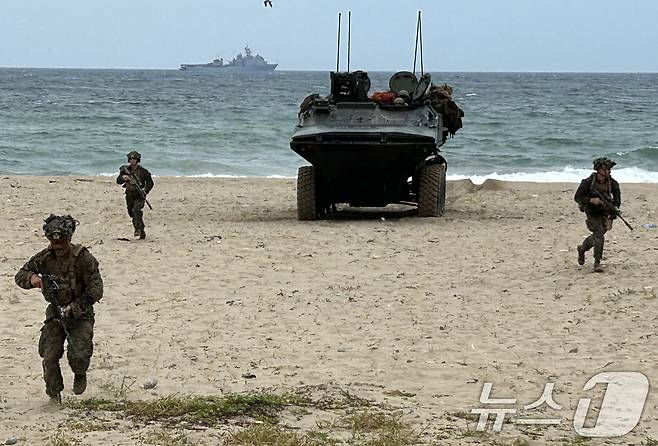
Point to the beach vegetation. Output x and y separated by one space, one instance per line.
465 415
88 426
167 438
399 393
256 418
267 434
201 410
62 438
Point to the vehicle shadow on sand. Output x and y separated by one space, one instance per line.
391 212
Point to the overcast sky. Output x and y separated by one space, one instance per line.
463 35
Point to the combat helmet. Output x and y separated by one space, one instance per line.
603 162
58 227
134 154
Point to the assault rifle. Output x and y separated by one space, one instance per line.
134 181
51 290
610 207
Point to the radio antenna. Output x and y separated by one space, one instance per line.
419 39
338 51
349 39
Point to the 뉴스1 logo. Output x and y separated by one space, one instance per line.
621 408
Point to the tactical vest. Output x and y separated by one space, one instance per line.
64 273
605 189
139 175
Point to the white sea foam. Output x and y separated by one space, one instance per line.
567 175
210 175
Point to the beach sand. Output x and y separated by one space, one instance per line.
228 283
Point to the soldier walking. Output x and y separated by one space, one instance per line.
138 183
599 215
69 279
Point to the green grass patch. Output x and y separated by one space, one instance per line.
401 393
61 438
167 438
87 426
465 415
355 421
202 410
95 404
267 434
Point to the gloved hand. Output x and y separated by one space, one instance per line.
74 310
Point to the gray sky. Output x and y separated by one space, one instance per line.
466 35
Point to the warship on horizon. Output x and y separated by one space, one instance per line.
248 62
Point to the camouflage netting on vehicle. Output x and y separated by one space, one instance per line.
441 98
307 103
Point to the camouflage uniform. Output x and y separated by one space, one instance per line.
134 201
599 218
81 286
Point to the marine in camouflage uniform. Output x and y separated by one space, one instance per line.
70 313
134 201
599 217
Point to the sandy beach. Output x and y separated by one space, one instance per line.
230 293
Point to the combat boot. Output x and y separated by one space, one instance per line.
54 396
79 383
137 232
581 255
597 266
142 234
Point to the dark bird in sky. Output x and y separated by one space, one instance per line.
268 3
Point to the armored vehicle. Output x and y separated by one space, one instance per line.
374 150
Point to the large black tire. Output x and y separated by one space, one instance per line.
306 194
432 190
442 189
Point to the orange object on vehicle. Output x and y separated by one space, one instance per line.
383 97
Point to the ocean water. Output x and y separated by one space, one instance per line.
517 126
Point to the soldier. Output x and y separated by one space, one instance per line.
138 183
69 279
599 216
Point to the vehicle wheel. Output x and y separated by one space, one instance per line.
306 196
442 189
432 190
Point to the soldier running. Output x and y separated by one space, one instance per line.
69 279
599 216
138 183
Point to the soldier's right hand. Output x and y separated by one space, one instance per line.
35 281
595 201
126 178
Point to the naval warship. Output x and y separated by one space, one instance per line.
240 63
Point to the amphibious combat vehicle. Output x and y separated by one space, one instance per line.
374 150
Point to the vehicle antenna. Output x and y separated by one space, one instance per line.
338 51
349 38
419 39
